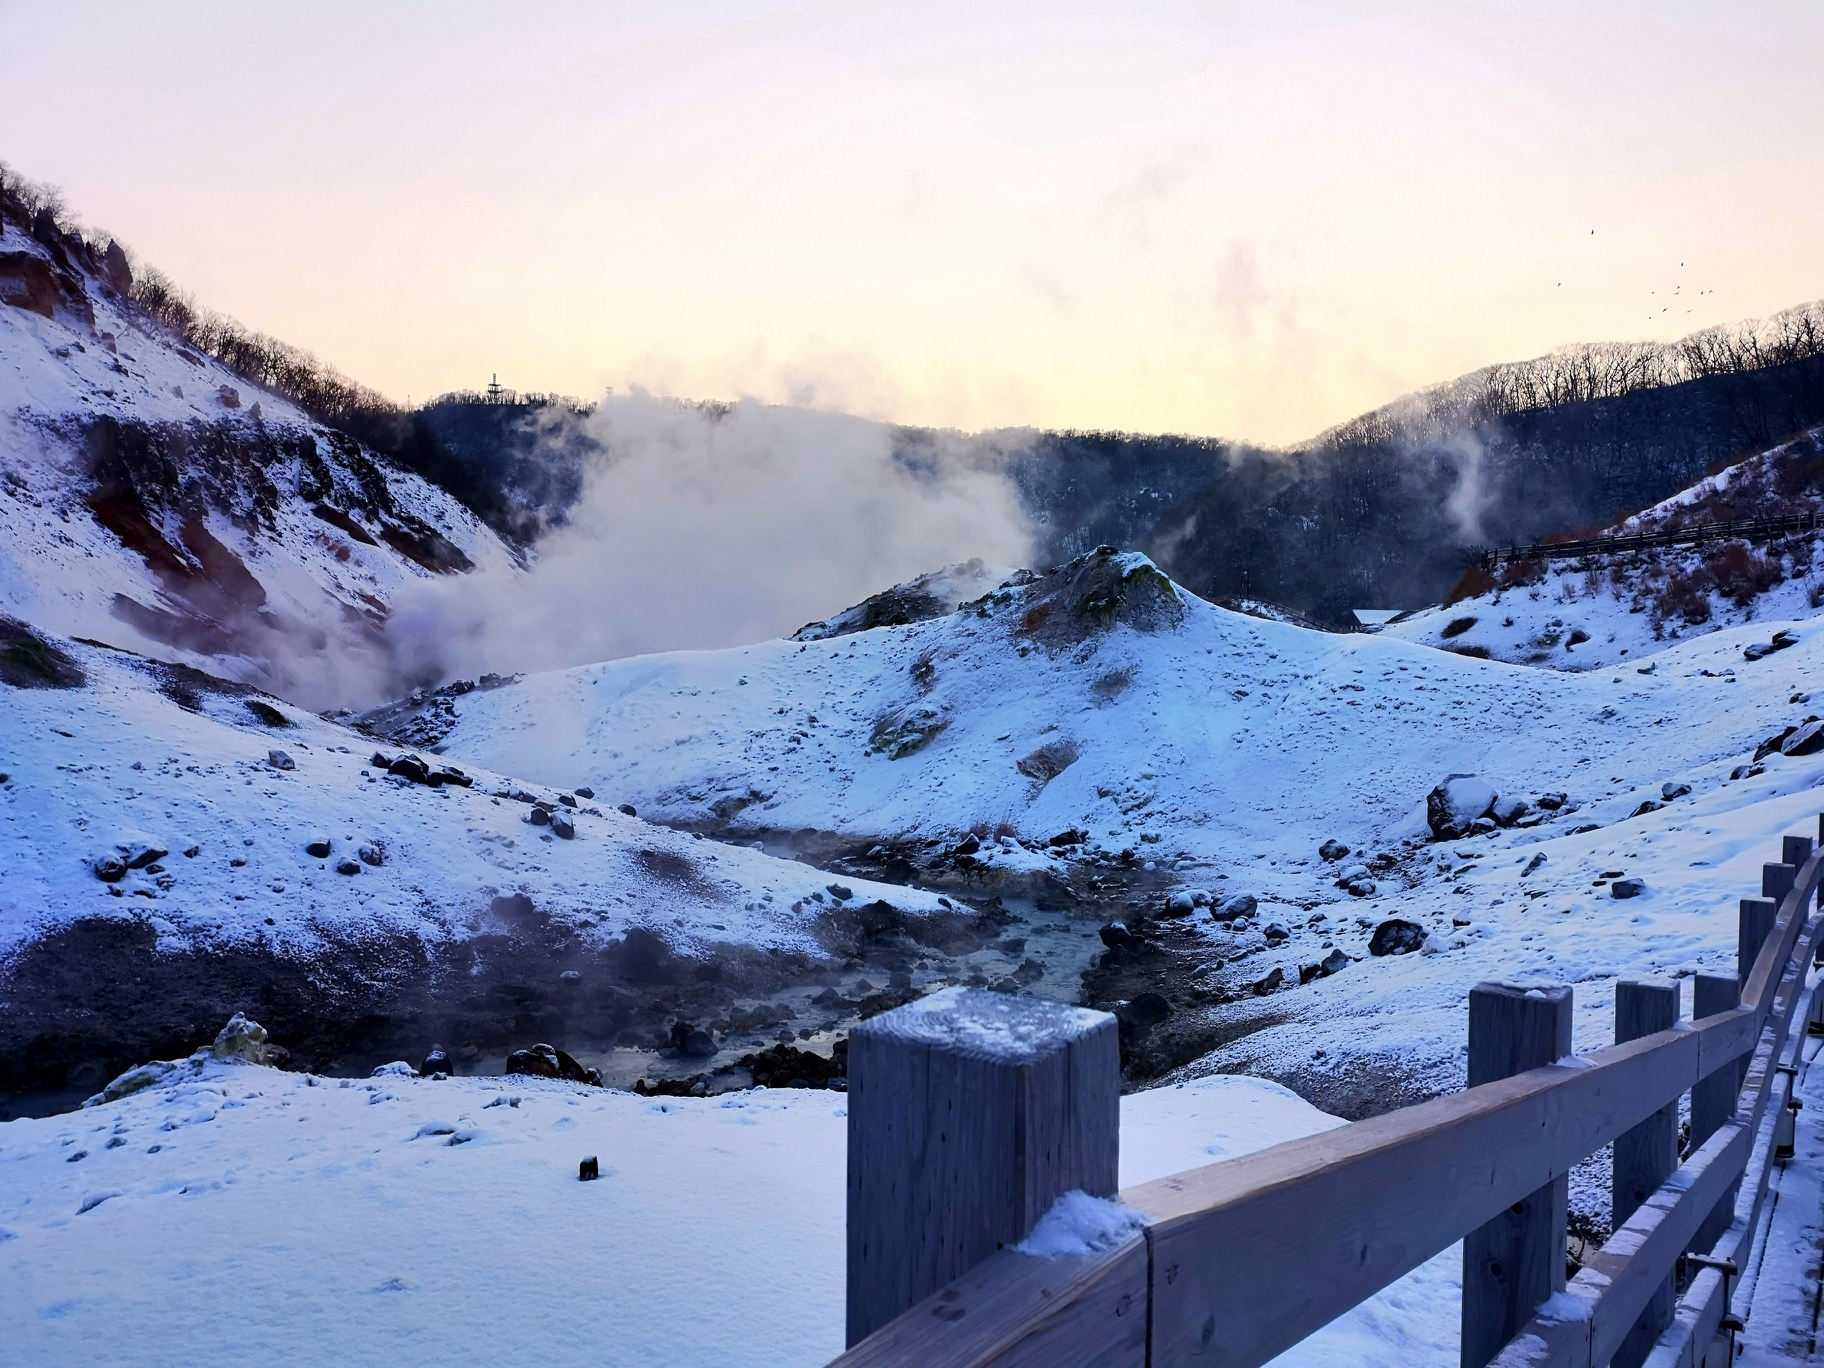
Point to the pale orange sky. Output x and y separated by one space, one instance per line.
1251 220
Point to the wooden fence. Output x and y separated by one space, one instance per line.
969 1113
1737 529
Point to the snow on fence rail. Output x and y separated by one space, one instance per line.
970 1114
1742 529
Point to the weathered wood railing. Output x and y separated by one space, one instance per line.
970 1113
1736 529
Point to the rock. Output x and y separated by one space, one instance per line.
1263 986
1179 905
135 1080
1351 874
1534 863
318 847
692 1041
228 396
373 854
567 800
1808 739
1332 850
1507 811
1739 772
1116 936
786 1066
540 1061
409 767
280 761
109 868
584 791
1627 888
968 845
245 1039
1334 962
141 854
1396 937
1242 905
1646 806
447 774
1577 637
1551 802
1276 932
1362 888
1772 744
590 1169
838 892
1669 790
397 1069
1048 761
1454 806
900 734
347 866
628 809
563 825
539 816
438 1061
1068 838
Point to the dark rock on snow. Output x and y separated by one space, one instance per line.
1332 851
1453 808
1627 888
1396 937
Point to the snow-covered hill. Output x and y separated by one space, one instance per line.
151 498
1604 611
1177 747
175 848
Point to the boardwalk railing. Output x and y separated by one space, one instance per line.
1736 529
969 1113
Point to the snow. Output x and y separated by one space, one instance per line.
250 1215
119 762
1078 1224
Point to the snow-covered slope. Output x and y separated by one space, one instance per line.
237 1214
422 889
1603 611
151 498
1222 751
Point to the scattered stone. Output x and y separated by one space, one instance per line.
1551 802
589 1169
584 791
1453 808
1362 888
373 854
1647 805
1534 863
1627 888
1116 936
1179 905
243 1038
1243 905
1048 761
397 1069
566 799
1396 937
1145 1010
1262 986
109 868
347 866
318 847
280 761
628 809
1669 790
787 1066
1334 962
1068 838
438 1061
545 1061
691 1040
1741 772
838 892
1507 811
1275 932
409 767
539 816
1332 850
1780 641
562 825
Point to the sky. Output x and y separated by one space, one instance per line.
1245 220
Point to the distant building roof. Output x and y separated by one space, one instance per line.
1375 617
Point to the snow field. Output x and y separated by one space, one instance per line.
239 1214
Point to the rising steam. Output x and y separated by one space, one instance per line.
709 526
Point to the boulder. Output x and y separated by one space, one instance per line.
562 825
1669 790
317 847
1396 937
1334 962
1262 986
1551 802
1507 811
627 808
438 1061
409 767
109 868
347 866
1627 888
1145 1010
584 791
1275 932
1180 904
245 1039
397 1069
1116 936
1808 739
1242 905
1362 888
373 854
280 761
691 1040
539 816
1453 808
1331 851
540 1061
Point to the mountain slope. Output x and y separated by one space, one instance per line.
151 498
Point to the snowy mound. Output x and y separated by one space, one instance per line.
1600 612
151 498
421 1215
928 596
178 847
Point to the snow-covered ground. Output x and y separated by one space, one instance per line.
237 1214
153 499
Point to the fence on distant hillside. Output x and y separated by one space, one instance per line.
968 1119
1739 529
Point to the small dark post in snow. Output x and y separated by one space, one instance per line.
1795 850
1777 880
1514 1262
1713 1099
970 1113
1646 1155
1757 916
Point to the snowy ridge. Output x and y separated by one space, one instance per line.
153 499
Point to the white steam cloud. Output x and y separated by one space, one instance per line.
707 527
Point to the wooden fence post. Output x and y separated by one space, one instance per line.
1514 1262
1757 915
1646 1155
1713 1099
970 1113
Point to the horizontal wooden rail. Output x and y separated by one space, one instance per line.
1241 1259
1736 529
